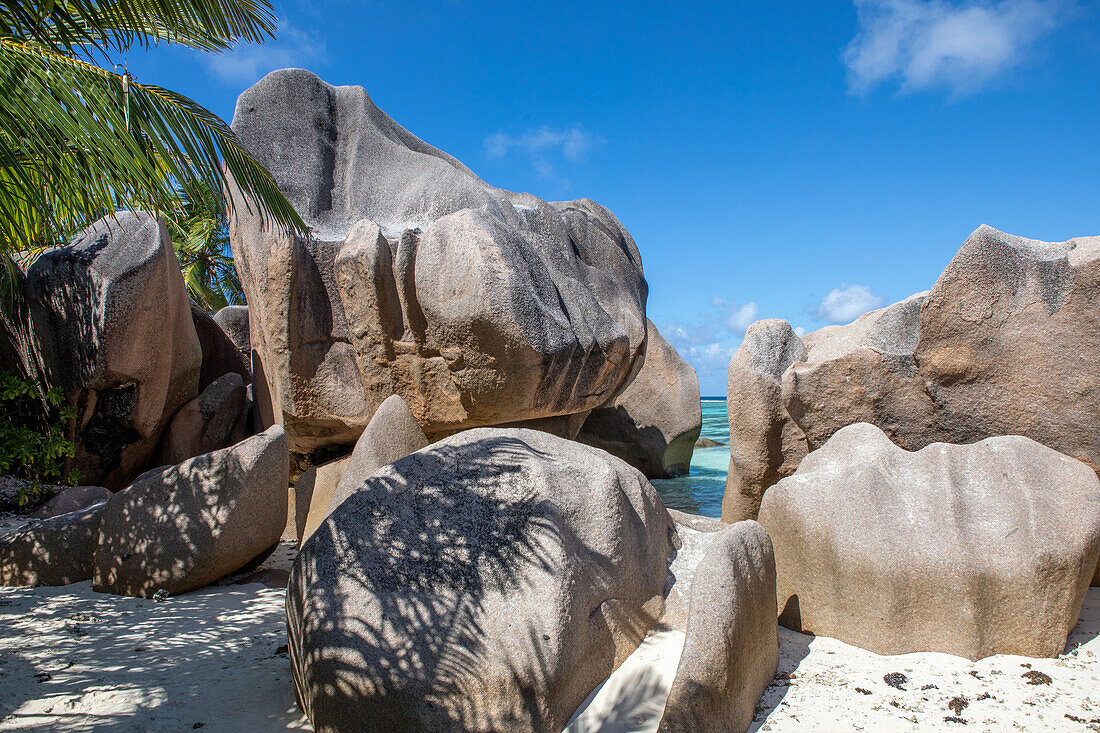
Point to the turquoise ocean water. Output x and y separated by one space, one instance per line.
700 492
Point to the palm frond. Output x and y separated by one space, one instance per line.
201 236
77 140
81 26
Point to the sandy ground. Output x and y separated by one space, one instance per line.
215 660
827 685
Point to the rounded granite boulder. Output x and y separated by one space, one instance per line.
970 550
654 423
487 582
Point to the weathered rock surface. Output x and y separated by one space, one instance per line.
476 305
207 423
1005 343
55 551
113 327
392 434
696 535
71 499
313 493
731 649
220 356
14 492
234 321
970 550
654 423
487 582
182 527
765 444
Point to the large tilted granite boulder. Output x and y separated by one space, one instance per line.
54 551
182 527
113 327
731 649
1005 343
654 423
234 321
971 550
476 305
486 582
213 420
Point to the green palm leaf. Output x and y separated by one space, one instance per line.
201 237
77 140
80 27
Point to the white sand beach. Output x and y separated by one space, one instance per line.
215 660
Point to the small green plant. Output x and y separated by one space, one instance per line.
33 446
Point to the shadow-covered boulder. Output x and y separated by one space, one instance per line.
476 305
220 355
731 649
71 499
970 550
112 325
392 434
181 527
654 423
54 551
486 582
212 421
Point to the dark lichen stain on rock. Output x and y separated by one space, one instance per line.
110 429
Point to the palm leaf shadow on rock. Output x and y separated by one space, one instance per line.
182 527
455 598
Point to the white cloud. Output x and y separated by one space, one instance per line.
544 147
709 342
799 331
740 318
847 303
960 46
572 144
250 61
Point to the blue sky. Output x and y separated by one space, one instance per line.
798 160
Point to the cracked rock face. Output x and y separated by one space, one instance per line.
1005 343
477 306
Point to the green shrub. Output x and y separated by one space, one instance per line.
33 446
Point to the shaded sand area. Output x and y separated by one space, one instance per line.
215 660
